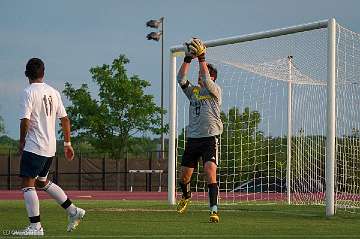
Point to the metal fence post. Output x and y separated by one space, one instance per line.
150 167
117 175
103 173
9 171
159 182
126 172
79 171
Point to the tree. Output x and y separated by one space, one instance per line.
122 109
241 143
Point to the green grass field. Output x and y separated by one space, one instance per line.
148 219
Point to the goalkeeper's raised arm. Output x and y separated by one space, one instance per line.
182 79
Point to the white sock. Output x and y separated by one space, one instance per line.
213 208
32 206
61 198
71 210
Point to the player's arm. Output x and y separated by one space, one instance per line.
24 126
200 49
183 72
66 129
182 75
65 125
68 149
26 109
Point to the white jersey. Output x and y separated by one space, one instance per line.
41 104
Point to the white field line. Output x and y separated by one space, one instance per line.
295 213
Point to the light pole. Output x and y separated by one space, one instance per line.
156 37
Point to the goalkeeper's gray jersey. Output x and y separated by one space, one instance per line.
204 109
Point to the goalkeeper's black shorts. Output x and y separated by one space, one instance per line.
200 148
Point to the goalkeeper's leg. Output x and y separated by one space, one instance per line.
213 190
186 174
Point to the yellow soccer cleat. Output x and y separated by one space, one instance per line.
182 205
214 217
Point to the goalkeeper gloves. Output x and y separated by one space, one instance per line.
198 48
194 48
188 53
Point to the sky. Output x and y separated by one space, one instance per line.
73 36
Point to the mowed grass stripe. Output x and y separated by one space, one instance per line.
151 219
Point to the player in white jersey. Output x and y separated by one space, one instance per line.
41 106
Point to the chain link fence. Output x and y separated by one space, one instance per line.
93 171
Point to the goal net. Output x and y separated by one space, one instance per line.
274 111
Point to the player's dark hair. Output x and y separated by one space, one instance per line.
212 71
35 69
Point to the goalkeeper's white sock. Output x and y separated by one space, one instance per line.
214 208
32 206
61 198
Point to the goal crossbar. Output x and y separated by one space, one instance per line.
259 35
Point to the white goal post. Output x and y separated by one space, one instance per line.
330 149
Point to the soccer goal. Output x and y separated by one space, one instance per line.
291 117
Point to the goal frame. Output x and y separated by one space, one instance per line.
330 24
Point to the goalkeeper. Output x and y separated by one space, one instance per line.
204 125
